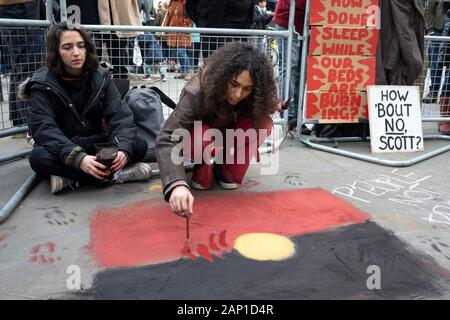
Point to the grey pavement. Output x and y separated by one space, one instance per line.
413 203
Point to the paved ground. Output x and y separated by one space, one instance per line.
48 233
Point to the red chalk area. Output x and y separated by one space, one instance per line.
147 232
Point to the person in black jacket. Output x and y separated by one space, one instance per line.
230 14
262 16
261 19
74 106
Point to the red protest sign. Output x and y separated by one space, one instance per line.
340 73
357 13
343 41
336 106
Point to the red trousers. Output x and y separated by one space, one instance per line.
231 166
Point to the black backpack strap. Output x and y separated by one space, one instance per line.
164 98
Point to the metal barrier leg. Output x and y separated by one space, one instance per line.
14 156
314 143
12 131
8 209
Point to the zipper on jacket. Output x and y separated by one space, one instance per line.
70 104
92 100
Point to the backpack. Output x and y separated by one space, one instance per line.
147 108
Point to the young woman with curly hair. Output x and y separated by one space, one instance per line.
233 94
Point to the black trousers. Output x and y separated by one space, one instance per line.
46 164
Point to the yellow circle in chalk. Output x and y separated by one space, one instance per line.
156 187
264 246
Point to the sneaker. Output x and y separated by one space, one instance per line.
431 97
148 77
223 182
58 183
136 172
163 78
194 184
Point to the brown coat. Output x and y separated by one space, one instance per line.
123 12
176 18
190 108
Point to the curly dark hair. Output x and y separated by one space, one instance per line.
54 62
228 62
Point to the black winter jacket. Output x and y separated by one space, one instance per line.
56 125
235 14
261 20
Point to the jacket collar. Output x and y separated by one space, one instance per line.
44 77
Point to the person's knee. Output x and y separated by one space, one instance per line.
39 158
140 147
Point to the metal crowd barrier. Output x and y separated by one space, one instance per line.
430 111
432 81
168 73
21 44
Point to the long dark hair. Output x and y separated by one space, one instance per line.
54 61
229 61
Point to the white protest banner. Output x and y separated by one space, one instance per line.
395 119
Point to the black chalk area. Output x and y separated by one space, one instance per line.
328 265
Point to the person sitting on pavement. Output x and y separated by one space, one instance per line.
74 106
234 91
